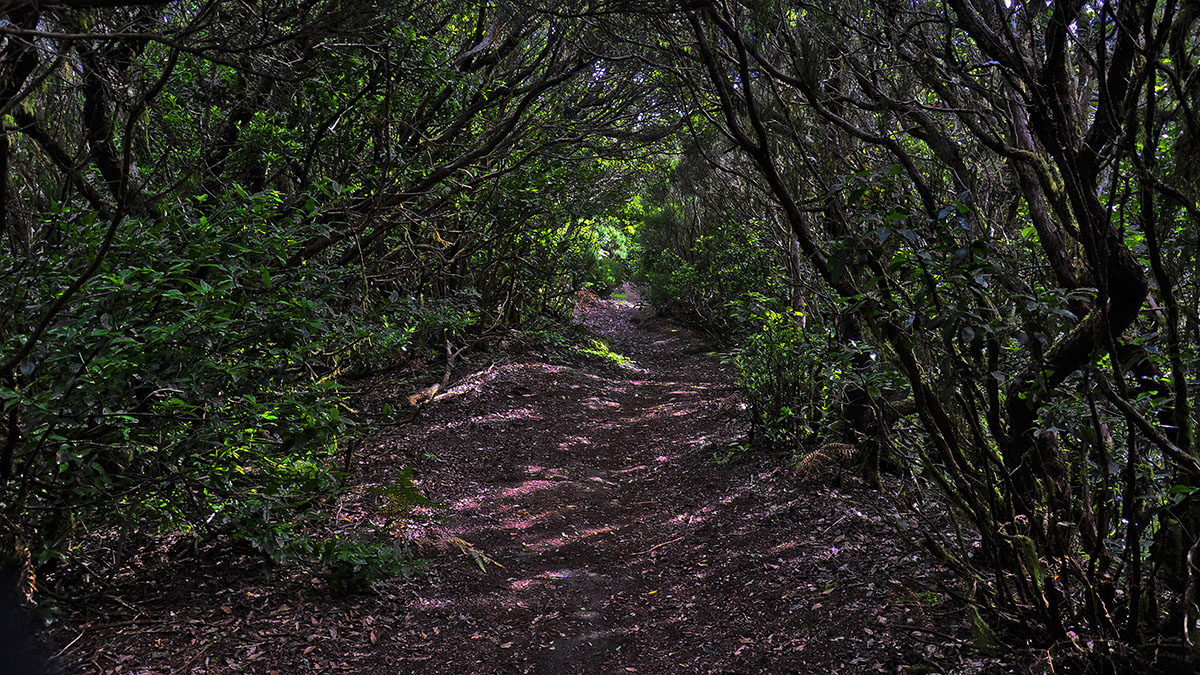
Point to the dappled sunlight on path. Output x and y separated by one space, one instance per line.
603 536
595 517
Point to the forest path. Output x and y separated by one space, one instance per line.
626 547
615 542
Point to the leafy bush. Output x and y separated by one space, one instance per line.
352 565
188 386
697 265
792 376
612 244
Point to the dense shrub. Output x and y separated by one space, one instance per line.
188 386
793 377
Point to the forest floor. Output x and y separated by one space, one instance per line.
594 524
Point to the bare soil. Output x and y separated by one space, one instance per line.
594 525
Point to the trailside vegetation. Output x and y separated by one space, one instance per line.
954 240
991 209
214 213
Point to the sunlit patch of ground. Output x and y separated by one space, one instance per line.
586 529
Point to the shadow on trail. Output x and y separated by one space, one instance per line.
588 529
609 539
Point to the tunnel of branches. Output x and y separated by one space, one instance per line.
959 237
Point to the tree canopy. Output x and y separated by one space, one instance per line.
975 219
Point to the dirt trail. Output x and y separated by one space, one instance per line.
627 548
619 545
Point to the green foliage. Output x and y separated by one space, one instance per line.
599 349
698 260
189 385
534 269
269 240
793 377
353 563
613 246
732 454
400 500
351 566
1027 342
205 229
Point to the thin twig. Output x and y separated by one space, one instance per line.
659 545
835 524
70 644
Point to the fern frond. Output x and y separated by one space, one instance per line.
824 457
481 559
402 498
